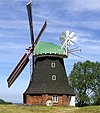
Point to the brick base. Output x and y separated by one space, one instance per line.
63 100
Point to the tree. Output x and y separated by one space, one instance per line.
2 101
85 81
96 84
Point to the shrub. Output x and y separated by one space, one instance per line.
3 102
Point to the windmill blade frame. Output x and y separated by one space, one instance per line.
18 69
25 59
72 35
66 39
40 33
71 42
67 33
29 11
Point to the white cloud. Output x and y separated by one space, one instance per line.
95 25
8 46
84 5
18 24
90 47
10 52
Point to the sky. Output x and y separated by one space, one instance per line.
79 16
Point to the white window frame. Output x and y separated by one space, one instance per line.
55 99
54 77
53 64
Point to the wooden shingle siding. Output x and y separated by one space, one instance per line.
42 86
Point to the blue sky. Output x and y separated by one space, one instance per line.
80 16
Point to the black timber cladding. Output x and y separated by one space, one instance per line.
42 83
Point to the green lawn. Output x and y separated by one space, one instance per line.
44 109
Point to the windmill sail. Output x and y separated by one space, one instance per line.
29 11
40 33
66 39
18 69
25 59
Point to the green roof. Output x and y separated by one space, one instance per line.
48 48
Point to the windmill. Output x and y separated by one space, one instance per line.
25 59
49 83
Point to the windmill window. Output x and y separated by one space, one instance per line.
54 77
55 99
53 65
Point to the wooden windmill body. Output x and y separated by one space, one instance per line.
49 84
49 80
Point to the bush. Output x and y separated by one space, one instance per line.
3 102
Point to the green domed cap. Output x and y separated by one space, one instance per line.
47 48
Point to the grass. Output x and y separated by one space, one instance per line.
44 109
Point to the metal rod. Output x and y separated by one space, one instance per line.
77 55
74 50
